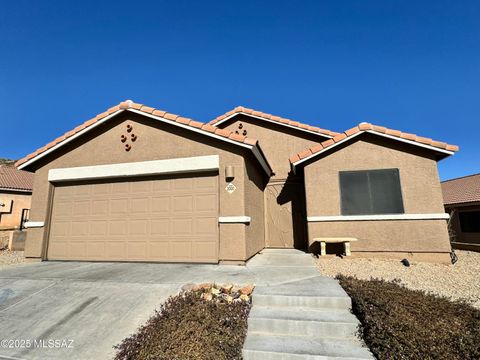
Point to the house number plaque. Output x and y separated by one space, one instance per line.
230 188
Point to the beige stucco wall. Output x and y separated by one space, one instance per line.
277 141
421 193
11 216
254 207
156 141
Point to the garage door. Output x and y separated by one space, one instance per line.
167 219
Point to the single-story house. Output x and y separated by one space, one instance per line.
141 184
15 195
461 197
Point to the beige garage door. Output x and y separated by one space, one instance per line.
169 219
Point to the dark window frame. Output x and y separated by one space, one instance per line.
369 200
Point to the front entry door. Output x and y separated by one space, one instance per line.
285 215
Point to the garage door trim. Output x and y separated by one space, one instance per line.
155 167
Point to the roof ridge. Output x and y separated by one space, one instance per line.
130 105
275 118
460 177
364 127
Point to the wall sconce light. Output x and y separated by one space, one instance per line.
229 172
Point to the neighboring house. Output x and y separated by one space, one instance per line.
461 197
140 184
15 195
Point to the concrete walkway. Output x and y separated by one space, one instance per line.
304 318
98 304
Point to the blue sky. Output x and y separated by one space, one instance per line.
408 65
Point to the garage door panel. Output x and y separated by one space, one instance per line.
205 225
116 250
181 226
170 219
206 202
81 208
183 203
138 227
77 248
206 183
204 250
95 249
117 228
183 184
161 204
98 228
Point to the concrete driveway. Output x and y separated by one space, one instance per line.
98 304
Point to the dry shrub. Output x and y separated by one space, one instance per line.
189 328
399 323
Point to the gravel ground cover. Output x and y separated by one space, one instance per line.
9 258
458 281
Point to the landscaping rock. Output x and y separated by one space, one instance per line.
226 288
247 290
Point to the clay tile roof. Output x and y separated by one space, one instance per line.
461 190
244 110
13 179
128 104
363 127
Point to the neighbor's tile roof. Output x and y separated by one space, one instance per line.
280 120
374 128
147 110
13 179
461 190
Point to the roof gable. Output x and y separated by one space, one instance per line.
273 119
438 146
156 114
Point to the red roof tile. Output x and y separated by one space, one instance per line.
125 105
244 110
461 190
14 179
375 128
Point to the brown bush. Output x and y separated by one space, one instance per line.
398 323
189 328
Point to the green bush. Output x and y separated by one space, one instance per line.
398 323
189 328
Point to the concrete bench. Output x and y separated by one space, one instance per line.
335 240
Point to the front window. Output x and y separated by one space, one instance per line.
371 192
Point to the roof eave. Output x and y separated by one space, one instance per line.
254 148
229 117
444 153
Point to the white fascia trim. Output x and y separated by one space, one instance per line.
34 224
271 121
168 166
234 219
439 216
71 138
326 149
262 160
191 128
376 133
416 143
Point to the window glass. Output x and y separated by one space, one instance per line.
371 192
469 221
